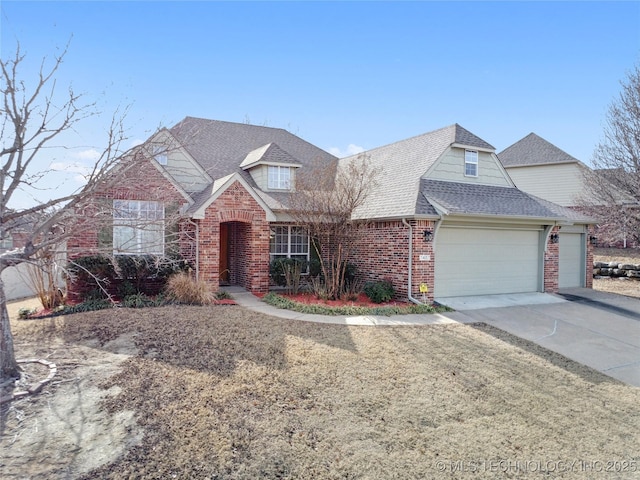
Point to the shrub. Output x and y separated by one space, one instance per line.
92 273
86 306
138 300
26 312
287 272
136 270
223 295
380 291
182 288
99 276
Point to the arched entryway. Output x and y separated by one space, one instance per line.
235 246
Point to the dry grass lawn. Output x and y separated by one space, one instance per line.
622 286
226 393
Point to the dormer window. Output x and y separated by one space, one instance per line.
470 163
160 154
279 178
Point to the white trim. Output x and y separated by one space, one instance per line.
470 162
473 147
280 180
289 254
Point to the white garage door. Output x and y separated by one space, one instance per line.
570 268
483 261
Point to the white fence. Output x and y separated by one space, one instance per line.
15 285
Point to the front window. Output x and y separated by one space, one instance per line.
470 163
160 154
138 227
279 177
289 241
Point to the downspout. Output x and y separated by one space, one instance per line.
409 296
197 247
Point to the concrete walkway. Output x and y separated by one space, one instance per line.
598 329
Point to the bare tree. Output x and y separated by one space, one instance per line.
31 119
324 202
614 185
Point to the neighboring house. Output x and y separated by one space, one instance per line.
542 169
538 167
445 213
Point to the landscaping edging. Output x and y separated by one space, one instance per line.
34 388
616 269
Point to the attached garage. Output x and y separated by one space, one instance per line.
571 264
487 261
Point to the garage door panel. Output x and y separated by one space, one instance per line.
570 268
477 261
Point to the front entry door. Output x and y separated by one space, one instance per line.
224 254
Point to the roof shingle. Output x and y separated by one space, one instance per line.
533 150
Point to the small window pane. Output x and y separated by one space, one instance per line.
279 177
471 163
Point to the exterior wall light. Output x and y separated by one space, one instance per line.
428 235
554 238
593 240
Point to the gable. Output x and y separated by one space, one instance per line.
219 187
450 166
139 178
180 165
534 150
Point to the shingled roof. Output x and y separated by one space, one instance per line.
471 199
402 164
533 150
220 147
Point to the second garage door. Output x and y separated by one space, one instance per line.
486 261
571 267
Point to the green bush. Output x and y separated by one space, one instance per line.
380 291
137 269
86 306
138 300
99 276
278 268
93 273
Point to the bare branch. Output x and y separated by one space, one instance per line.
614 185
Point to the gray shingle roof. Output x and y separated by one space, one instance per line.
220 147
533 150
270 153
402 164
473 199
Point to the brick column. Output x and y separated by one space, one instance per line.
551 263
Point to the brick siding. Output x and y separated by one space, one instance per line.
383 253
249 240
551 263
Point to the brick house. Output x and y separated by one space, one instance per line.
445 213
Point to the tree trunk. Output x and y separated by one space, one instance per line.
8 365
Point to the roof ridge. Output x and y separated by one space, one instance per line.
211 120
404 140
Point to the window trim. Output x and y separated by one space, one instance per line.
289 253
280 182
471 158
137 224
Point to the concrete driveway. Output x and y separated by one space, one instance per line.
598 329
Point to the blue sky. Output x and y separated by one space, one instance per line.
341 73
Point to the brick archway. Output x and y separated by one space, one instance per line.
236 216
